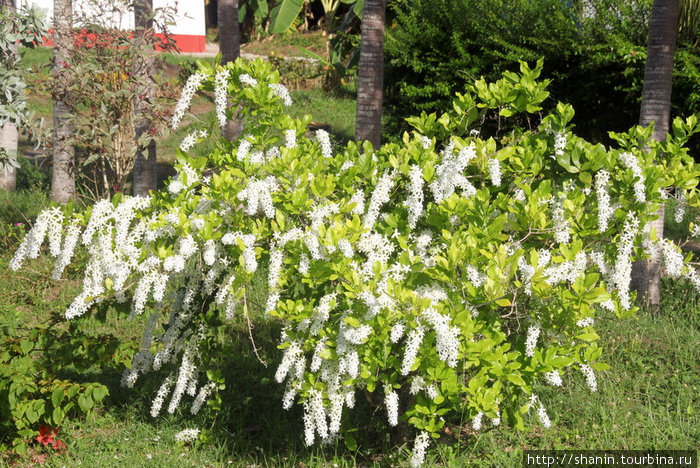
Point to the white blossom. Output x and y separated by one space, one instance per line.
590 377
553 378
391 400
324 139
419 447
495 172
630 161
281 91
605 211
533 332
191 86
187 435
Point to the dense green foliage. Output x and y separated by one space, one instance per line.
593 51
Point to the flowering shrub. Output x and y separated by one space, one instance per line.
448 273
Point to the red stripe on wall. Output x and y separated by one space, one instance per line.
184 42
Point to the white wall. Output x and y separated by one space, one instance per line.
189 17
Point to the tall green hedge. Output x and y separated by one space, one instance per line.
594 52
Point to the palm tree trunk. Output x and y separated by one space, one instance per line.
63 174
370 80
656 109
9 133
9 136
229 31
230 49
145 162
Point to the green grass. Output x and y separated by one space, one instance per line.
287 45
338 112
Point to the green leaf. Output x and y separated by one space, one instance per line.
283 15
57 416
85 403
57 397
516 379
350 442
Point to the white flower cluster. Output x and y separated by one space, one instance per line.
324 139
391 400
221 95
585 322
189 141
447 337
587 372
419 447
449 173
527 271
696 231
315 418
243 149
413 341
414 203
246 79
191 86
560 141
290 138
377 248
630 161
380 196
567 270
542 416
49 221
279 90
259 197
477 420
605 211
495 172
553 378
533 332
204 392
397 331
358 199
621 276
187 435
679 212
673 258
561 225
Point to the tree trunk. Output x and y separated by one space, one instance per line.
9 133
63 174
370 80
230 49
656 108
145 162
9 136
229 31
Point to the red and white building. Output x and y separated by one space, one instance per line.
188 27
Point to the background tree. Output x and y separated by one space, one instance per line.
656 110
229 30
145 162
370 77
63 174
230 49
9 134
17 28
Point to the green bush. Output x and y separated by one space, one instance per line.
594 56
36 392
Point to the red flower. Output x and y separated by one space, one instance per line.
49 436
45 436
